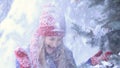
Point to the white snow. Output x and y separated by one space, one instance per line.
22 20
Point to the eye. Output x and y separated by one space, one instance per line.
52 39
59 39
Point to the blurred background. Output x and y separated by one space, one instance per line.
86 22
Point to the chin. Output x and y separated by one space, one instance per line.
49 52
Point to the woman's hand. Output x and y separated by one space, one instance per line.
22 58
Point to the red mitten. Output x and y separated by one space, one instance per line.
100 56
22 58
96 58
106 55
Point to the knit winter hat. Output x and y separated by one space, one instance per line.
52 22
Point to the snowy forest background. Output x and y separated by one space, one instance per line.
87 23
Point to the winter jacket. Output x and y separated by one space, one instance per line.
23 59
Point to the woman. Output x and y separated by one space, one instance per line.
47 49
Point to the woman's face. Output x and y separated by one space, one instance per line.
51 43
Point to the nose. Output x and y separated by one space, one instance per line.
55 44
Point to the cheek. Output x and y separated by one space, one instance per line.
59 43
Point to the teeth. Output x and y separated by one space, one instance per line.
52 47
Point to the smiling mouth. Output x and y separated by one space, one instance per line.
52 48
